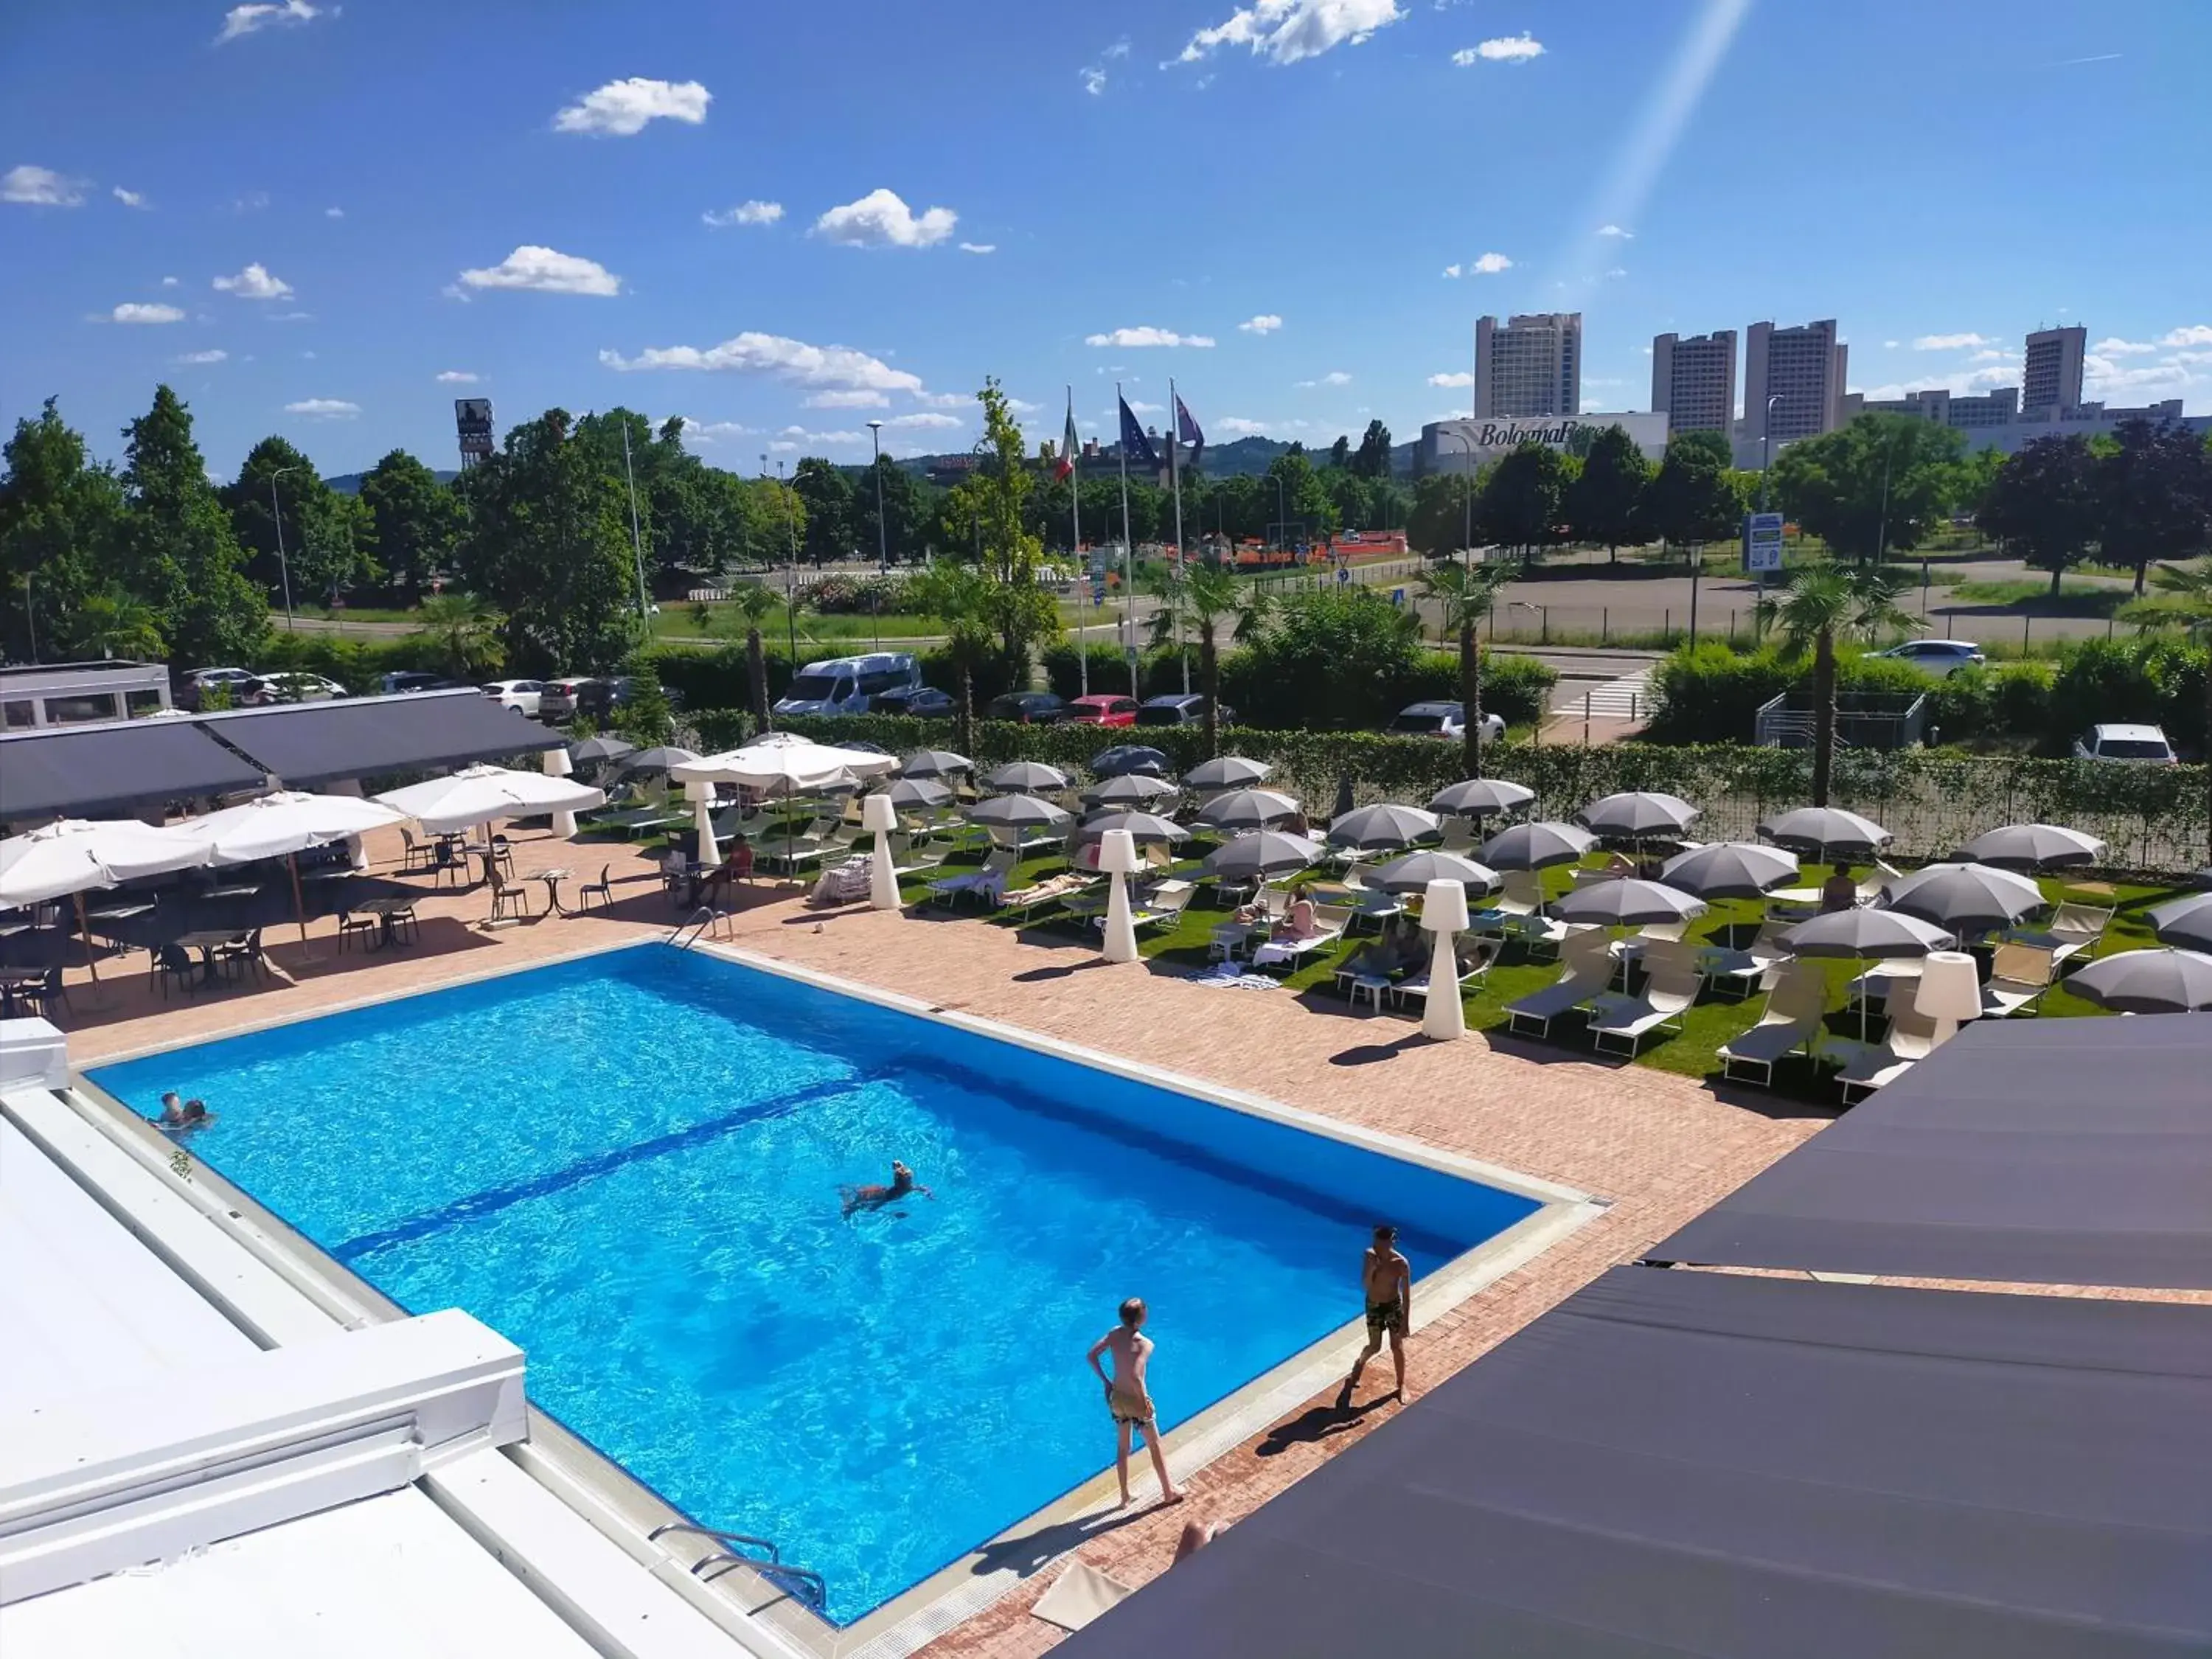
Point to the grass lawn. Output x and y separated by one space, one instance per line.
723 622
2074 599
1693 1051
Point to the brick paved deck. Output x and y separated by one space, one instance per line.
1659 1148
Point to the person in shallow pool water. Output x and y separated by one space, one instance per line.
874 1197
182 1114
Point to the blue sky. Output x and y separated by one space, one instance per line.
304 215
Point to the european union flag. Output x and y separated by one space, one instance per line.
1188 430
1136 447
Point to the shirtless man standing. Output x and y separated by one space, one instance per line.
1127 1398
1388 1280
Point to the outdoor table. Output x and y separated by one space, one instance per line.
236 890
206 943
13 988
385 909
553 879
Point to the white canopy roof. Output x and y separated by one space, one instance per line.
477 794
795 766
289 821
78 854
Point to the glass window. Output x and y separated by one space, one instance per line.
812 688
17 713
145 702
69 711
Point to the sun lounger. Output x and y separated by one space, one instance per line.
1329 922
1913 1037
986 884
638 819
1162 905
1522 894
1475 964
1790 1021
1668 995
1588 971
906 861
2072 930
2020 975
1028 900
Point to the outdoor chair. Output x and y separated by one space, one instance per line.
1522 895
173 965
1474 958
1875 883
1790 1021
2020 975
1458 837
1588 971
243 955
1668 995
43 994
907 860
510 901
352 927
1741 972
1913 1037
1162 905
406 925
418 858
604 889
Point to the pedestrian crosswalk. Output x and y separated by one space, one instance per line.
1627 698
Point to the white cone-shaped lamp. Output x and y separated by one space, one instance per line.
1117 856
702 821
877 814
558 765
1443 913
1950 991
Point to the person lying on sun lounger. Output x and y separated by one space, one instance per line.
874 1197
1399 949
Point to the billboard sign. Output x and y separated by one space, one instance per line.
1762 542
472 421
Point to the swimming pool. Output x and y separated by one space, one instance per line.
630 1165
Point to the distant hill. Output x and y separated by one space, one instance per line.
348 483
1240 458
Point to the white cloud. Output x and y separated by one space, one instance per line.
251 19
1237 427
1616 273
308 356
1505 49
1119 49
881 219
1890 346
2196 334
708 432
254 283
40 187
458 377
1615 230
782 446
924 421
942 400
130 198
1288 31
547 272
1139 406
979 247
169 282
855 399
1334 377
1146 337
1023 405
1487 265
324 409
214 355
746 213
1265 323
799 434
333 213
2116 346
1949 342
1094 79
130 313
1456 377
834 367
621 108
289 317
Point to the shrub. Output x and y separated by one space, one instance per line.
1708 693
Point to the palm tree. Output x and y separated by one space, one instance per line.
1201 598
467 632
111 624
2185 603
1465 591
1819 603
753 601
962 598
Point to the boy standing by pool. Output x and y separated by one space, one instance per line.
1128 1398
1387 1279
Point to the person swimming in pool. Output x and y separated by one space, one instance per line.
182 1114
874 1197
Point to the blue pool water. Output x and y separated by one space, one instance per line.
630 1165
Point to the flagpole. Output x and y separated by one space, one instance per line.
1128 548
1175 479
1083 574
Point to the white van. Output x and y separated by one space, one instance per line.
843 685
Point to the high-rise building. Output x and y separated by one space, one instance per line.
1693 380
1533 365
2051 376
1804 368
1994 408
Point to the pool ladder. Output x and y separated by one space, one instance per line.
695 927
804 1583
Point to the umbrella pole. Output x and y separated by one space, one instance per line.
84 932
299 902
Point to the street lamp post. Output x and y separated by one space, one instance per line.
790 576
1765 457
275 512
1466 500
883 543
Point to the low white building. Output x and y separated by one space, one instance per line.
1463 446
71 693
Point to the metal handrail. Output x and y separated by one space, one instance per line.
774 1553
695 925
809 1585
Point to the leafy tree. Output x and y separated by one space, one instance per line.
1464 592
2154 494
181 555
2043 501
1607 502
904 511
832 509
1523 498
1441 519
645 717
1373 458
2184 604
1820 603
319 555
1692 497
109 623
1301 496
780 513
1340 453
1020 610
61 535
1330 658
1880 484
413 522
1349 497
1199 600
467 634
961 597
753 601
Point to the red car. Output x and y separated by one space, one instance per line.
1102 710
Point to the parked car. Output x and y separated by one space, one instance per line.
2126 743
1180 708
923 702
1027 707
291 688
1441 720
521 696
558 700
1101 708
416 680
233 681
599 698
848 685
1938 657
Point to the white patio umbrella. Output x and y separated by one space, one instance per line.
2166 981
1228 772
934 763
1414 871
1536 845
62 859
1730 869
1639 815
1630 902
477 794
1966 898
1024 776
797 767
1131 789
1866 935
1381 828
1475 796
1824 831
283 826
2033 847
1248 809
2184 921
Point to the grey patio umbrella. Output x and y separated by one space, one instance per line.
1638 815
1629 902
1131 789
1260 855
1382 827
934 763
1228 772
1025 775
1536 845
1125 758
2033 847
1019 813
910 792
1248 809
1824 831
1143 826
657 759
1867 935
1414 871
1967 899
2185 921
1730 869
1476 797
590 751
2166 981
